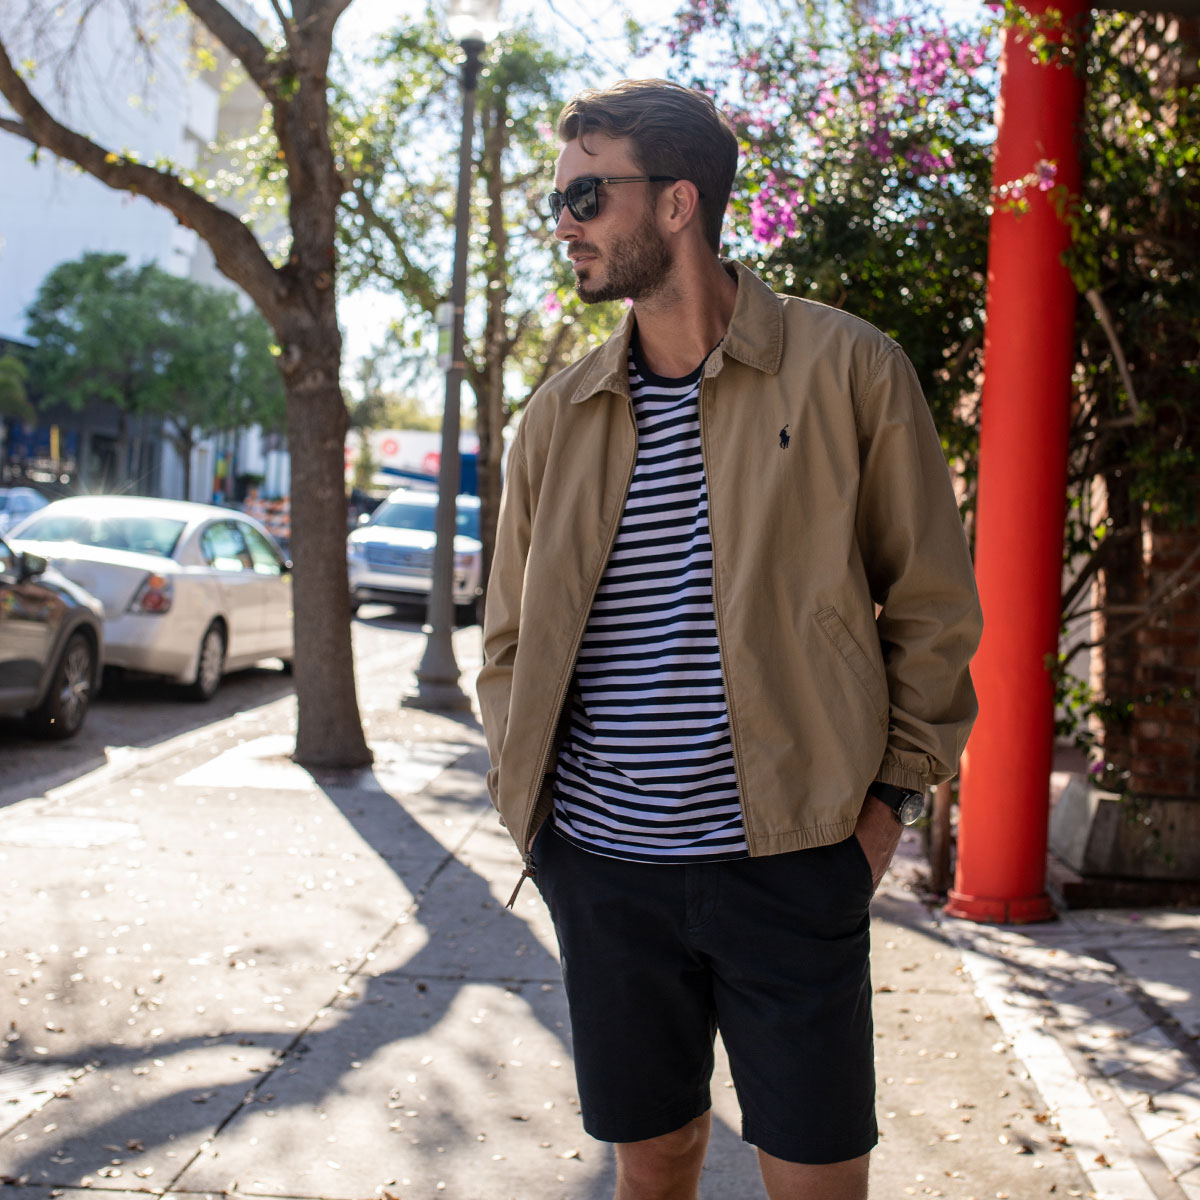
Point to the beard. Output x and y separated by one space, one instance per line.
635 268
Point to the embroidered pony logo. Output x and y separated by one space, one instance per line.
784 438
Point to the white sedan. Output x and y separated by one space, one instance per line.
189 591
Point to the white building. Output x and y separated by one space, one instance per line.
52 212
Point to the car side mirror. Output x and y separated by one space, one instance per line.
363 518
31 565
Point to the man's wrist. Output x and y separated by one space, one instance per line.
907 805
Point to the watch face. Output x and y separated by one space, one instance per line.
911 808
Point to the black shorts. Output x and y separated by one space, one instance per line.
772 951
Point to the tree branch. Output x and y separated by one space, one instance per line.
1106 323
240 42
553 356
418 281
324 14
234 247
1166 594
1099 559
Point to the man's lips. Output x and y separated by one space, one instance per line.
581 256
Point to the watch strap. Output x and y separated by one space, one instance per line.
894 797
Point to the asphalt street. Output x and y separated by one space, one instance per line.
134 714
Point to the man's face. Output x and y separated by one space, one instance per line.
619 253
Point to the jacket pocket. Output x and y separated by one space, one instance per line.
834 628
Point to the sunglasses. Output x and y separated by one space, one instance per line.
582 196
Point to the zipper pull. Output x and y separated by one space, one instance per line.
529 872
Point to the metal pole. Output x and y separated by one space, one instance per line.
437 676
1029 354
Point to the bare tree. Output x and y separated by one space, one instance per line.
297 298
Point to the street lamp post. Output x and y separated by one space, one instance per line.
472 23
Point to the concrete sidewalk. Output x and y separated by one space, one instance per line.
223 975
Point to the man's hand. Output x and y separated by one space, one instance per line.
879 834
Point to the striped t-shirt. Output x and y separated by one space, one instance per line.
646 769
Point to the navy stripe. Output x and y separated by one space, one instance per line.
646 770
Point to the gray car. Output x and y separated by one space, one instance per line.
50 645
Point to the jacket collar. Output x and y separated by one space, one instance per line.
754 337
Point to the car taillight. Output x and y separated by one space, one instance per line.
154 596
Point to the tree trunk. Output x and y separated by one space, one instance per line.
941 840
184 446
329 732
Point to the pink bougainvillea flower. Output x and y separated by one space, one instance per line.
1045 172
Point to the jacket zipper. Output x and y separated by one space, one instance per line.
528 873
733 732
530 869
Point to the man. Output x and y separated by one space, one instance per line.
727 637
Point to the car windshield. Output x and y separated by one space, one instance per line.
399 514
146 535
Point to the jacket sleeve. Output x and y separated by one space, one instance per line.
920 574
502 609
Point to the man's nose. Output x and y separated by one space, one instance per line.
566 228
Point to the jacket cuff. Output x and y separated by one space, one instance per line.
898 776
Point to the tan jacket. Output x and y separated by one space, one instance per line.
855 510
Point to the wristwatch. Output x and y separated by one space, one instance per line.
907 806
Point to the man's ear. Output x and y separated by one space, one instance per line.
679 205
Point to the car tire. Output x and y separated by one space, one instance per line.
62 713
210 665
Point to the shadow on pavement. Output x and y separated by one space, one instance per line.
436 987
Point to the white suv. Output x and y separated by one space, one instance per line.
390 555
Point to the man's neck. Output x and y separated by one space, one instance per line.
679 326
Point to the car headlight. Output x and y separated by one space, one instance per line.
356 550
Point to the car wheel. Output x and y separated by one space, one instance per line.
211 665
62 713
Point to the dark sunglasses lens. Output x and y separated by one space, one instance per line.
556 205
582 198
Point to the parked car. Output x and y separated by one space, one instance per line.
50 645
16 503
390 555
190 591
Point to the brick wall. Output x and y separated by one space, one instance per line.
1157 665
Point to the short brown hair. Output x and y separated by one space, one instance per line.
673 130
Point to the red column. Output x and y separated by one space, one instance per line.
1028 359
